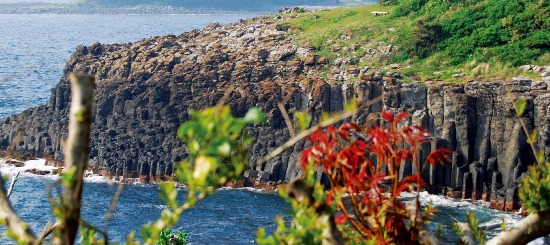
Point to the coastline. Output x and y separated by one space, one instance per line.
146 88
40 168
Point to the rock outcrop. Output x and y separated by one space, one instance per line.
145 90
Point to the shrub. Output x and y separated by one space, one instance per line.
168 238
362 164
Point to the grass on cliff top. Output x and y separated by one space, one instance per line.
344 32
481 39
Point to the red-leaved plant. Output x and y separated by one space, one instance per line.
363 163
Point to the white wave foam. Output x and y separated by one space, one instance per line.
250 189
28 166
39 165
440 200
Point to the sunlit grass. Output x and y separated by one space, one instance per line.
349 32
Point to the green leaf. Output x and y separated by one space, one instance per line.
351 105
532 137
521 104
203 166
69 176
169 194
254 115
189 130
302 119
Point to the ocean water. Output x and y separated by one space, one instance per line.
33 52
231 216
35 48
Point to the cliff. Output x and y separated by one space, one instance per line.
145 90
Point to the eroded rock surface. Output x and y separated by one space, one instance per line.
145 90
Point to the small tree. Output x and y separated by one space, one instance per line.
362 166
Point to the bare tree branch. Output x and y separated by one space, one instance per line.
13 180
529 228
9 218
76 156
103 233
46 232
114 201
333 119
287 120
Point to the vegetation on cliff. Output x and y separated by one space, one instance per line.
486 39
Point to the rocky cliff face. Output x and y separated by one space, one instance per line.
145 90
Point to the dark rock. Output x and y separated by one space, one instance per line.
145 90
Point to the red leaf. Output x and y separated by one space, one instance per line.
344 134
341 220
439 156
388 116
401 116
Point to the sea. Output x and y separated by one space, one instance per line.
33 53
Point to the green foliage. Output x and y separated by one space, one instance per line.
358 24
307 224
439 230
423 40
303 120
217 154
480 38
407 7
304 228
473 222
520 106
169 238
216 146
88 236
535 188
515 32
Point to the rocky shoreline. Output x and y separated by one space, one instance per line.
145 90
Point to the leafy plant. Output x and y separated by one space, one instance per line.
535 187
217 154
362 164
168 238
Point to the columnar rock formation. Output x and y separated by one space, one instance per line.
145 90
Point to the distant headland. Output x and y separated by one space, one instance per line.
165 6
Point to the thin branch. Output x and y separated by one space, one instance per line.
15 224
355 209
522 123
226 95
287 120
46 232
333 119
76 156
529 228
13 180
103 233
114 201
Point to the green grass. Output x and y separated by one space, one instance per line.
324 29
482 39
